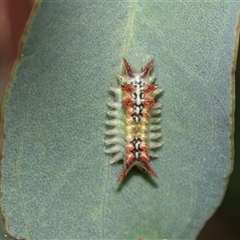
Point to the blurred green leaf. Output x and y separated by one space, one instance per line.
56 181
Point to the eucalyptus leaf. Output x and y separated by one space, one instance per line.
56 180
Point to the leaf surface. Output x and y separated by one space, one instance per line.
56 180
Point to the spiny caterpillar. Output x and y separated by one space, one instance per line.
134 120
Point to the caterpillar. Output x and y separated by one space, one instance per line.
134 120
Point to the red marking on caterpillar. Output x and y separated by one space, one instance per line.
127 101
127 88
134 122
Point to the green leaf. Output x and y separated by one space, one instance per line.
56 180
